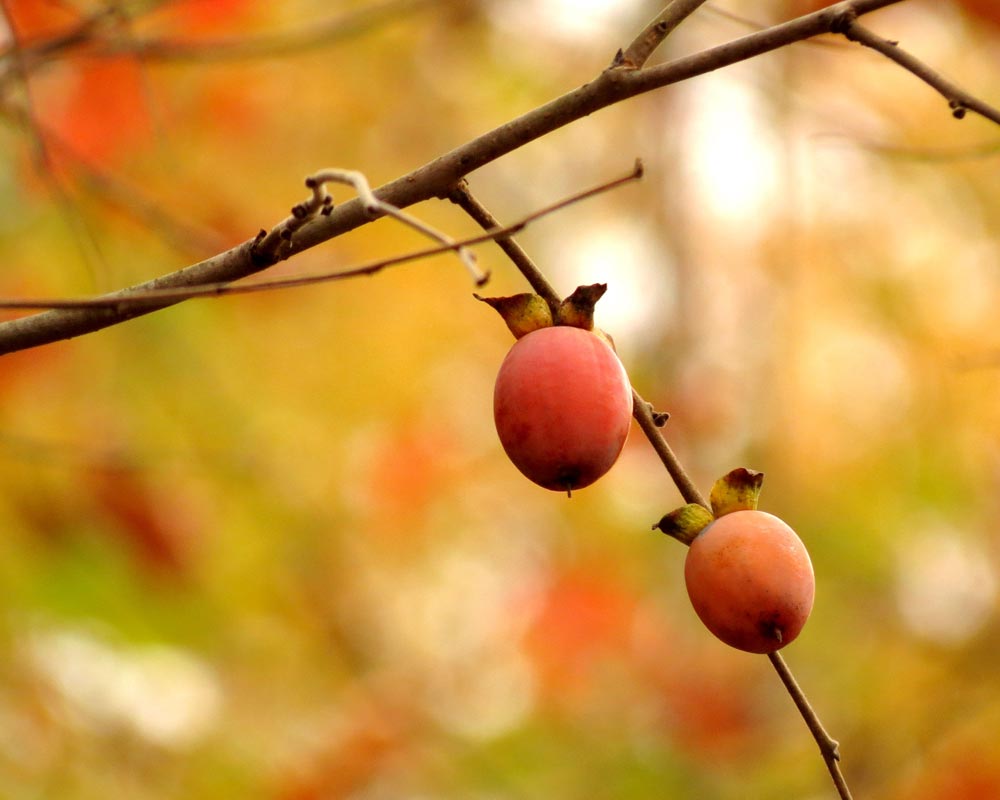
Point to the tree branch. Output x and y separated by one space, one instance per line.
437 178
637 54
959 101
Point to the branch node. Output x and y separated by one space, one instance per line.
374 208
844 17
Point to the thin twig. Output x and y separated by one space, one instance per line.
637 54
959 100
828 746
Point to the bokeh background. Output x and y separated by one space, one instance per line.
269 547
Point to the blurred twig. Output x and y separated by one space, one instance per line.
90 33
277 45
758 26
16 70
933 155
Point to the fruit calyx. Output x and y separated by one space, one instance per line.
527 312
523 313
577 310
737 490
686 522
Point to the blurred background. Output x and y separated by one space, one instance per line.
269 547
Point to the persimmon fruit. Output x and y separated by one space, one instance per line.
562 405
750 580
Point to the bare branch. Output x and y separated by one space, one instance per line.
959 101
437 178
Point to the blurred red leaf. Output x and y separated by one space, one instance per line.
962 774
704 693
988 10
103 114
148 520
586 615
345 766
193 17
36 19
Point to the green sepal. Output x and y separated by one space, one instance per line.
686 522
577 310
736 491
523 313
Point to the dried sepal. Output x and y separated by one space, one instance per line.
737 490
686 522
578 309
523 313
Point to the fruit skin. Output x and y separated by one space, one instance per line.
562 405
750 581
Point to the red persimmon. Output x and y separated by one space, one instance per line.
750 581
562 406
